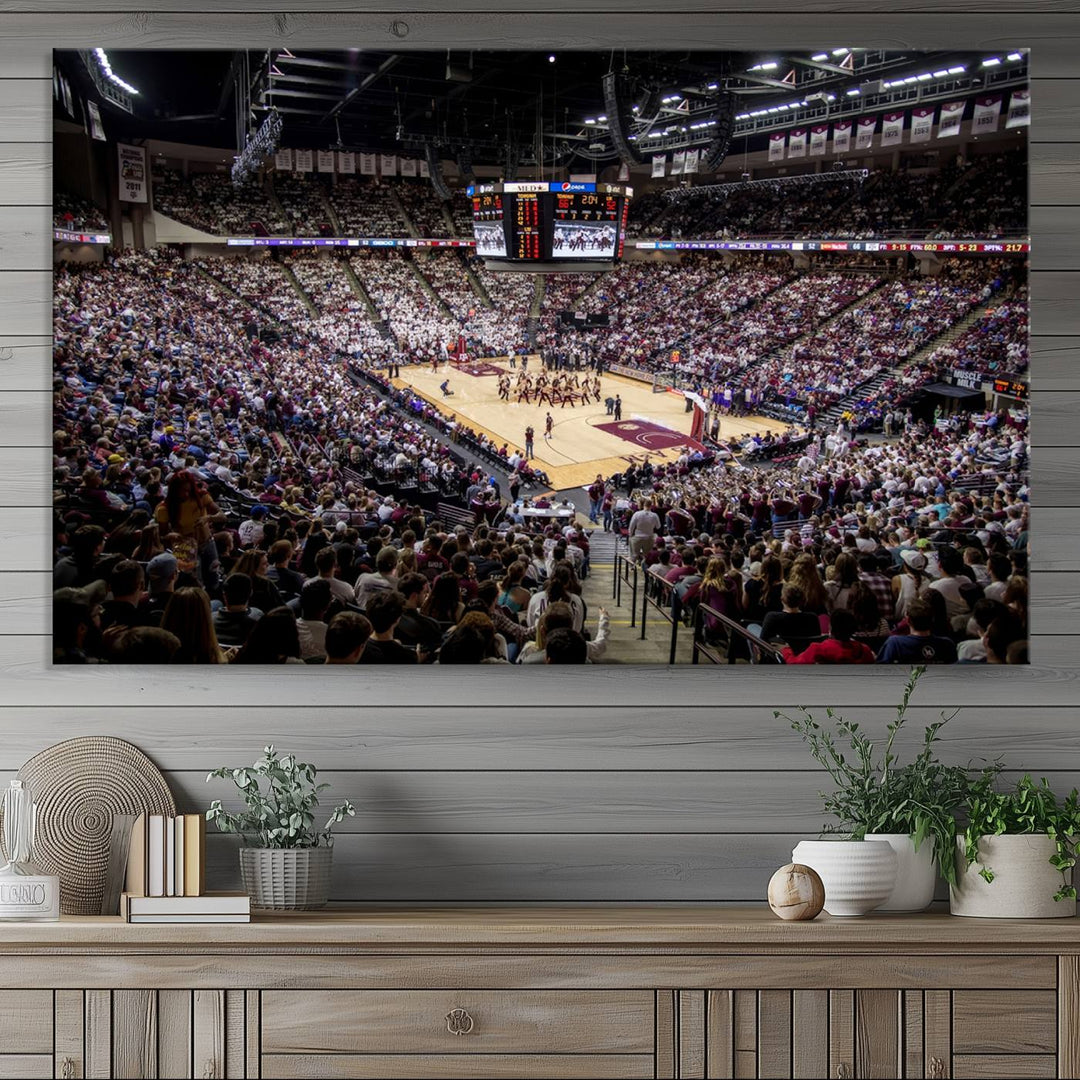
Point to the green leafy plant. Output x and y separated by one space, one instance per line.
874 793
281 797
1026 809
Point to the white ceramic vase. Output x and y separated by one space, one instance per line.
916 872
1024 881
858 875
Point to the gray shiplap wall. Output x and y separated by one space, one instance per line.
626 784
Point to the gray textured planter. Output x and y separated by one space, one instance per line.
1024 881
287 879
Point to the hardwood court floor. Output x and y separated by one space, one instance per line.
578 449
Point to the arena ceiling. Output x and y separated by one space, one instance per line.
537 102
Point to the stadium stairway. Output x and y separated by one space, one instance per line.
331 213
271 194
362 293
246 301
475 282
306 300
448 219
428 288
539 290
836 410
410 225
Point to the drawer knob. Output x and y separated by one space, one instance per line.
459 1022
937 1069
67 1069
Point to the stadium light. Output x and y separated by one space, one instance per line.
840 52
772 65
991 61
601 119
1014 56
940 74
108 72
853 93
958 70
818 57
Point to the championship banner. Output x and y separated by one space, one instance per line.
367 164
691 161
98 132
841 136
424 170
818 138
776 146
302 160
388 164
659 163
796 146
922 124
678 160
864 133
624 173
326 161
132 173
283 161
408 166
1019 109
346 162
892 129
952 112
985 119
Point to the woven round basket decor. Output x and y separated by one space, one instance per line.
78 785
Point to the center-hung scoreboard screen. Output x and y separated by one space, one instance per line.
543 222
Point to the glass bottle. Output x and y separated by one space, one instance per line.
25 891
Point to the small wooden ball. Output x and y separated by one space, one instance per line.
796 893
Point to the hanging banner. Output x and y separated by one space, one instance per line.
388 164
346 162
98 132
922 124
985 119
796 146
678 160
624 173
1019 109
424 170
818 138
283 161
367 164
892 129
132 173
326 160
408 166
864 133
776 146
691 165
952 112
659 164
302 160
841 136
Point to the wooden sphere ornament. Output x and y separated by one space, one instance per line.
796 893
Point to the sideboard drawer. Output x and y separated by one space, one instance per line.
1004 1021
458 1066
458 1021
26 1022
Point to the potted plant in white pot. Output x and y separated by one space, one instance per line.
285 860
910 808
1016 854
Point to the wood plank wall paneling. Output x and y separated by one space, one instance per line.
622 784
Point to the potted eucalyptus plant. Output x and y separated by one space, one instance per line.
285 859
909 807
1015 855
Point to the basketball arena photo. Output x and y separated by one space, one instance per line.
371 357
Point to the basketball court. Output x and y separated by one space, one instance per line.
585 439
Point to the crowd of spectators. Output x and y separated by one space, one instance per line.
76 213
365 207
915 549
302 197
210 201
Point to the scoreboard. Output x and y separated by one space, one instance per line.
540 222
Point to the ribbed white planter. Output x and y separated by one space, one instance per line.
287 879
858 875
916 872
1024 881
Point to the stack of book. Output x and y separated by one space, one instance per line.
166 875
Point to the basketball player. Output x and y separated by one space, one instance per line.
549 424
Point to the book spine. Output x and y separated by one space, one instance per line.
179 859
155 854
170 856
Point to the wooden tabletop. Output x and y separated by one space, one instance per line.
678 928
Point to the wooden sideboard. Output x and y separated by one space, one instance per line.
552 993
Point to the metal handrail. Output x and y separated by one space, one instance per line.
769 652
672 610
625 570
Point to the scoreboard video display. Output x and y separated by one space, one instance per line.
550 222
